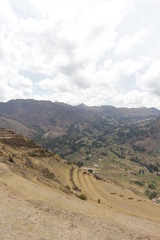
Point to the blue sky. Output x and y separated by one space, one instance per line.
97 52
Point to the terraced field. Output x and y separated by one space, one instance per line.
40 199
111 195
120 212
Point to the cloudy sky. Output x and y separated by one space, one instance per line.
97 52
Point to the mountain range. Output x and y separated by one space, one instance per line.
45 118
106 175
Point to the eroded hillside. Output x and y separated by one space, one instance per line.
44 196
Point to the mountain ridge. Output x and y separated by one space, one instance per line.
46 114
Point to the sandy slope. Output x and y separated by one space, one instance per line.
34 211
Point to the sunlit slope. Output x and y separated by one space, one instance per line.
37 174
111 196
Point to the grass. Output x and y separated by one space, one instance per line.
36 182
124 171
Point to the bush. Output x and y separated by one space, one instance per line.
151 195
147 193
104 153
82 196
29 163
135 159
10 159
68 187
152 186
138 148
153 168
139 183
79 164
47 174
97 177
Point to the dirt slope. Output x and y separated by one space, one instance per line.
38 199
31 211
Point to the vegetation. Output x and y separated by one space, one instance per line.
120 145
151 194
82 196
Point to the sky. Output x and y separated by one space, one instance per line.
96 52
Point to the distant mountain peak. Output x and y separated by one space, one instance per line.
82 105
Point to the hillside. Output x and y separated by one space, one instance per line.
108 137
118 143
41 196
44 119
152 142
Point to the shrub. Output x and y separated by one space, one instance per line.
10 159
152 186
153 168
79 164
139 183
82 196
104 153
29 163
68 187
97 177
147 192
151 195
135 159
138 148
46 173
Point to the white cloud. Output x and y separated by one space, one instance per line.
7 17
59 84
26 9
13 85
94 51
136 98
150 80
128 42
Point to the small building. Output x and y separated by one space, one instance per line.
95 165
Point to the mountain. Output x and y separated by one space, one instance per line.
152 138
44 118
74 132
111 172
44 196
